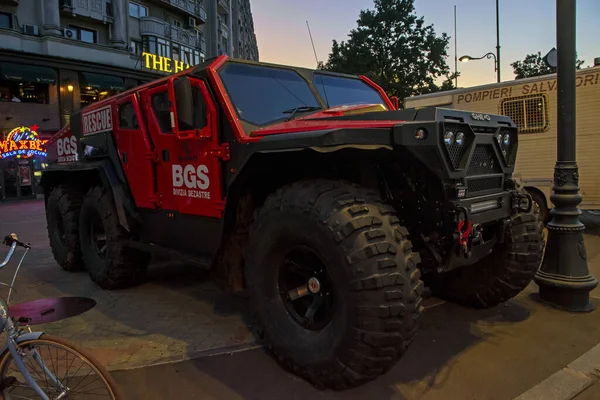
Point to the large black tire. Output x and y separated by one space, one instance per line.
500 276
375 284
110 263
62 218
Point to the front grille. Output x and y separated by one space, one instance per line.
484 184
484 161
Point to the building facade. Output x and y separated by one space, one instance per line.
57 56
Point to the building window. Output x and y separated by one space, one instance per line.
529 113
85 35
157 46
177 23
136 47
24 92
127 117
5 20
137 10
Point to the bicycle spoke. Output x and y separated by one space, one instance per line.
59 375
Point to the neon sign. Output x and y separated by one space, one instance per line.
164 64
22 142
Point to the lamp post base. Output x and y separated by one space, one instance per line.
564 279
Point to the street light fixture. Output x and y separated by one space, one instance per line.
488 55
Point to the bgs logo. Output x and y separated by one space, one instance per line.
66 149
192 178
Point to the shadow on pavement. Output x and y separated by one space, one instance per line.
446 331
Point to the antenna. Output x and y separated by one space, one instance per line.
313 43
455 53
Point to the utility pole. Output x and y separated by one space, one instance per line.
455 53
498 38
564 278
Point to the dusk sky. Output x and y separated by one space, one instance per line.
526 26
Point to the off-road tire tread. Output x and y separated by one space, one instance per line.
68 199
500 276
126 266
386 281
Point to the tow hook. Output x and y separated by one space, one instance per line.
464 229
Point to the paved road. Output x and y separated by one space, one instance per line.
458 354
177 315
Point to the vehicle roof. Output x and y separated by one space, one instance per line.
494 85
211 63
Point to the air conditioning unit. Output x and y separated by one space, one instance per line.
31 29
191 22
70 33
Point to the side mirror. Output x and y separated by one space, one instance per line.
184 106
395 102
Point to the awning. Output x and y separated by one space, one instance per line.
101 81
27 73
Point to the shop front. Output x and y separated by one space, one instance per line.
22 156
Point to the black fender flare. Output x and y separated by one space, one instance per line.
100 172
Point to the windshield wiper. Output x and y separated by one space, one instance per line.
293 111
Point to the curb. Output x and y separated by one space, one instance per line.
217 351
569 381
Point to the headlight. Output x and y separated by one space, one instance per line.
499 138
460 138
506 139
449 138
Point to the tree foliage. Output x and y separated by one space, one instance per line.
396 49
534 65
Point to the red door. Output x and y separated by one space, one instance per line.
189 174
135 151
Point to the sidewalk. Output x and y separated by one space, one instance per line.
459 354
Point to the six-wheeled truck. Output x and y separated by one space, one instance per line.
308 189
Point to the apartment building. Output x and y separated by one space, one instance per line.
57 56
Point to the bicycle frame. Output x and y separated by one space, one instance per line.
15 336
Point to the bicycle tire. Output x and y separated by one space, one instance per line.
109 381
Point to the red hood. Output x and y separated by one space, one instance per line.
315 122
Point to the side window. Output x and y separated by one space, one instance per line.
162 110
127 117
529 113
199 110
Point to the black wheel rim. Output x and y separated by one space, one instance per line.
98 235
306 289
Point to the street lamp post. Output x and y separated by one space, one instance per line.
564 279
498 38
488 55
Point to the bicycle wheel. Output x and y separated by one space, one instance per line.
75 370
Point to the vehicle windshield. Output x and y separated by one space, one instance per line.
339 90
263 95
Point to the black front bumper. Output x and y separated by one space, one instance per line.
502 211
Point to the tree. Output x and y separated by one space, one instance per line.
534 65
396 49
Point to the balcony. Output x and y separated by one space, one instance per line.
191 7
224 30
150 26
95 9
224 6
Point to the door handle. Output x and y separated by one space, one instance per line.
165 155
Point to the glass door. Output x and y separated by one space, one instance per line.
10 180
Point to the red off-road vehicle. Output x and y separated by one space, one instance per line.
307 188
